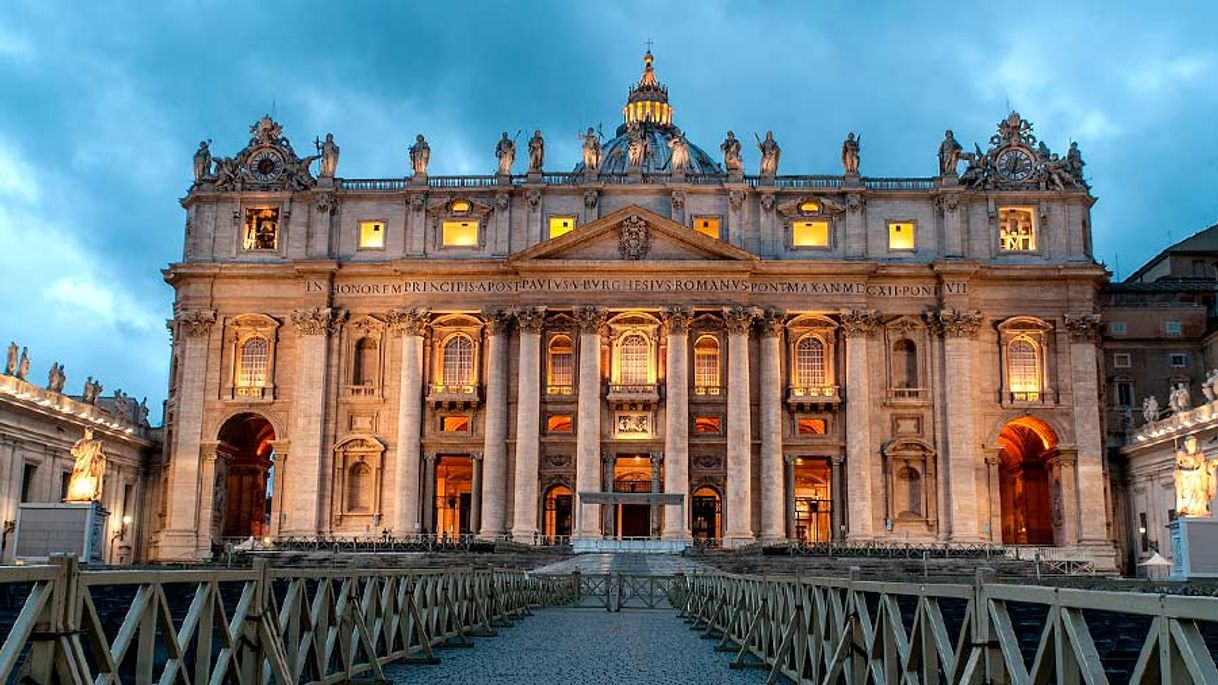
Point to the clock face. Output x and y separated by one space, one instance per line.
266 165
1015 164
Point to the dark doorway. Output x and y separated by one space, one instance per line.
244 503
635 521
705 514
1025 482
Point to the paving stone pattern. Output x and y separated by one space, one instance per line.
585 647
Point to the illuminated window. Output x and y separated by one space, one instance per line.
708 424
559 423
561 366
1023 369
901 235
454 424
809 207
458 364
810 233
810 362
460 206
1016 229
359 488
371 235
561 225
261 229
706 366
633 360
707 226
254 356
459 233
810 426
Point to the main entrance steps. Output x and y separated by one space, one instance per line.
624 563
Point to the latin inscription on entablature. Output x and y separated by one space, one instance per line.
640 285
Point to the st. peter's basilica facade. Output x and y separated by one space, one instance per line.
656 346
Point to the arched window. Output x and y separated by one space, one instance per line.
359 481
458 361
561 365
706 365
364 365
633 360
810 362
904 364
1023 369
254 355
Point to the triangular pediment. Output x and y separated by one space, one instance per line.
633 234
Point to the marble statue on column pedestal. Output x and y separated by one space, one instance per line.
537 152
85 484
679 152
1150 409
1194 480
420 155
949 154
505 152
592 150
202 162
731 154
770 153
850 154
329 156
1179 400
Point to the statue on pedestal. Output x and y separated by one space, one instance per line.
10 366
1179 400
949 154
1150 409
850 154
91 392
592 150
1194 480
56 378
1209 387
505 152
769 154
420 155
679 149
731 154
638 149
329 156
23 366
537 152
202 162
85 485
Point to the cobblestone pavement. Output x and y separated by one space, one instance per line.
631 564
584 647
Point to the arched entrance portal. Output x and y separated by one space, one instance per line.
705 514
558 512
1028 482
246 447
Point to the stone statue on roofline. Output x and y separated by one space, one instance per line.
592 150
505 152
537 152
329 156
91 392
202 162
679 152
638 148
850 154
1179 399
420 155
731 154
10 366
770 153
1150 409
85 484
949 154
23 366
56 378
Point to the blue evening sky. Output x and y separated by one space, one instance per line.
103 103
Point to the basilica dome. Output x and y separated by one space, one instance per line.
647 109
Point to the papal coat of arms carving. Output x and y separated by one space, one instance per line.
634 238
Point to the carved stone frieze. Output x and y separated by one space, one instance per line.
327 203
739 319
417 201
767 202
408 321
557 461
503 201
1083 326
590 319
317 320
954 323
860 322
530 319
855 203
948 204
634 238
678 200
708 461
194 323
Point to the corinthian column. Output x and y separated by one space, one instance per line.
494 449
191 332
858 326
676 421
773 501
963 449
310 458
528 424
410 323
588 426
739 505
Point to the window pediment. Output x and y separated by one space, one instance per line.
459 207
810 206
1024 324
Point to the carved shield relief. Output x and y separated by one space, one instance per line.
634 238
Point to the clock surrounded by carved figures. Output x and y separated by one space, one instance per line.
1015 164
266 165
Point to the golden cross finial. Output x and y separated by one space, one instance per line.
649 42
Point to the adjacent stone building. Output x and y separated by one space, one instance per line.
652 346
38 427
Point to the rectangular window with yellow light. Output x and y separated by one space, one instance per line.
372 235
459 233
810 234
902 236
707 226
561 225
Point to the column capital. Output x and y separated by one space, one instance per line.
590 319
738 319
476 456
656 458
677 320
318 320
955 323
1083 326
790 459
498 321
993 460
771 320
530 319
195 323
429 458
408 321
858 323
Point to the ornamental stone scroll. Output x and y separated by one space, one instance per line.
409 321
318 320
195 323
677 320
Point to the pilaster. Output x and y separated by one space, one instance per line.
859 326
958 329
410 325
1088 431
588 423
